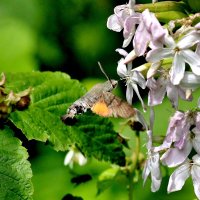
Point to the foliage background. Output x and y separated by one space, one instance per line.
70 36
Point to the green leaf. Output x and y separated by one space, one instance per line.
15 170
106 178
52 94
96 137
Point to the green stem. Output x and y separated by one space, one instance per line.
134 165
163 6
130 192
137 146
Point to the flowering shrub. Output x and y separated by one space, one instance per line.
172 67
167 36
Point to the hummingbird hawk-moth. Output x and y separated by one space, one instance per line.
102 102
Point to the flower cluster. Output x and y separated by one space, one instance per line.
183 136
172 67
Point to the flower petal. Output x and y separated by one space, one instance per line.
140 118
114 24
121 68
155 184
178 177
172 94
122 52
193 60
129 94
177 70
122 12
156 55
130 57
129 28
135 88
196 140
153 69
169 41
190 81
82 160
146 171
155 172
157 91
198 48
68 157
197 119
152 167
174 156
188 40
139 79
155 160
129 67
141 39
195 173
174 131
153 26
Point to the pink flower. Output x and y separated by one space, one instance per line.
124 17
181 52
158 88
183 134
187 169
148 31
152 167
116 22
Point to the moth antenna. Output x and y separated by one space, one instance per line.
101 68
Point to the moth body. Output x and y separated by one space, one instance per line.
89 99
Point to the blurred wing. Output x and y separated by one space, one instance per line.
110 105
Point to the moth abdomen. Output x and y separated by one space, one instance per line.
78 107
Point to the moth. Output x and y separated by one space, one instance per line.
102 101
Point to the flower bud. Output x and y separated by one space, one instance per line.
23 103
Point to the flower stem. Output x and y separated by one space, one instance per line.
130 192
133 168
137 146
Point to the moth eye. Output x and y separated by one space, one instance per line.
114 83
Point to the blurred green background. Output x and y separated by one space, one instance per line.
70 36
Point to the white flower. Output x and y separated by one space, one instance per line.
187 169
124 17
190 81
74 156
181 53
183 134
132 78
158 88
152 167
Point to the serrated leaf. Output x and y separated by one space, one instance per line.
15 170
97 138
106 178
51 94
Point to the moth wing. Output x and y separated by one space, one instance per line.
110 105
118 107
